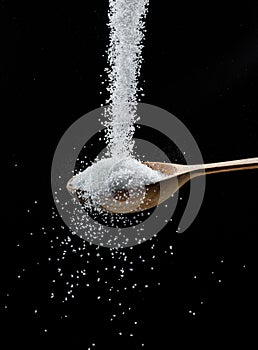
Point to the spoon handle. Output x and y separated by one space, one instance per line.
233 165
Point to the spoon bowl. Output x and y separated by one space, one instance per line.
132 201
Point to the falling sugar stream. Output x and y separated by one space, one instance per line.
126 23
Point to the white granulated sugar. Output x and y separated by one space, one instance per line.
111 174
120 170
126 23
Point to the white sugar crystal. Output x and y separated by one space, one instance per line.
120 170
126 23
111 174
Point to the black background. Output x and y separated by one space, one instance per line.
200 63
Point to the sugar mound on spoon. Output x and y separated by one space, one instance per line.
109 175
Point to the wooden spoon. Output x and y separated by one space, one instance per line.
156 193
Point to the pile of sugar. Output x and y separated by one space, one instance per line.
109 175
